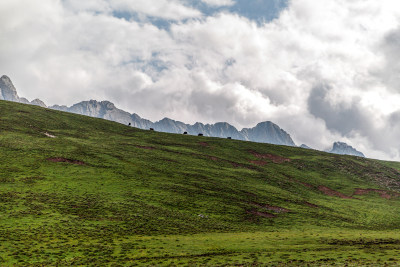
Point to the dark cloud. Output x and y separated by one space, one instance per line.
351 119
394 120
340 117
390 48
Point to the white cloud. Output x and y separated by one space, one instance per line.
164 9
324 70
88 5
218 3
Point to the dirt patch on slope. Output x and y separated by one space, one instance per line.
213 158
310 204
259 162
71 161
330 192
324 189
204 144
382 193
276 209
306 184
272 157
261 214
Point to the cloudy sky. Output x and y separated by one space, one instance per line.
324 71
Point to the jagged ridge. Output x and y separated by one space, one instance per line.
344 149
265 132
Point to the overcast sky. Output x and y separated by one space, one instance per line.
324 71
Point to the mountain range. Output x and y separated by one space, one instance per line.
264 132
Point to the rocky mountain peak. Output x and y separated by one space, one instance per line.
5 78
342 148
108 104
38 102
7 89
268 132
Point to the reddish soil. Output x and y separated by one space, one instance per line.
236 165
213 158
382 193
306 184
262 214
311 205
276 209
333 193
72 161
259 162
146 147
204 144
274 158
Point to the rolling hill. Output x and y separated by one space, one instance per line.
76 190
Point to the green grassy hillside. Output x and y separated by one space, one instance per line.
76 190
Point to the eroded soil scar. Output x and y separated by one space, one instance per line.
71 161
330 192
323 189
204 144
259 162
382 193
310 205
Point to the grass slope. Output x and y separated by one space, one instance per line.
101 193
